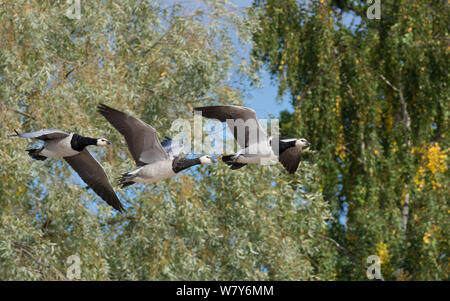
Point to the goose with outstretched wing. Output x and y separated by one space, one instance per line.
256 145
155 161
72 148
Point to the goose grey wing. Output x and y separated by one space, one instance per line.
45 134
230 114
290 159
95 177
142 139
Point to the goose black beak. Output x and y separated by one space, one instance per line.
308 144
108 143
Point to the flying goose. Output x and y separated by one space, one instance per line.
155 162
289 151
72 148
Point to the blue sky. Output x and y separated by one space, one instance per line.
263 100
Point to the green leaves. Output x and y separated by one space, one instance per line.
366 95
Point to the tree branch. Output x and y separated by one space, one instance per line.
21 113
24 250
340 247
407 124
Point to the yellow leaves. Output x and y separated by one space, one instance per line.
357 62
378 114
20 190
340 146
432 163
299 97
394 148
337 109
409 29
383 253
436 159
426 238
434 231
163 74
419 179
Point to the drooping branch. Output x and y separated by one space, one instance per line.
339 246
22 113
405 114
22 249
407 124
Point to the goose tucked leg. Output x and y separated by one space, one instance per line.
34 153
126 180
229 160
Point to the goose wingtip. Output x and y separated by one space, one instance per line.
17 134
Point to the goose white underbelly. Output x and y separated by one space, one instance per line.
154 172
257 159
58 148
258 154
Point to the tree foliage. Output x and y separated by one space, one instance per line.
372 97
155 61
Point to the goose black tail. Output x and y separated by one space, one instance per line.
126 180
34 153
229 160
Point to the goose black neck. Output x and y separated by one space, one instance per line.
78 142
179 164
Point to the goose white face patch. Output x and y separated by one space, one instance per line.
301 143
206 160
102 142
